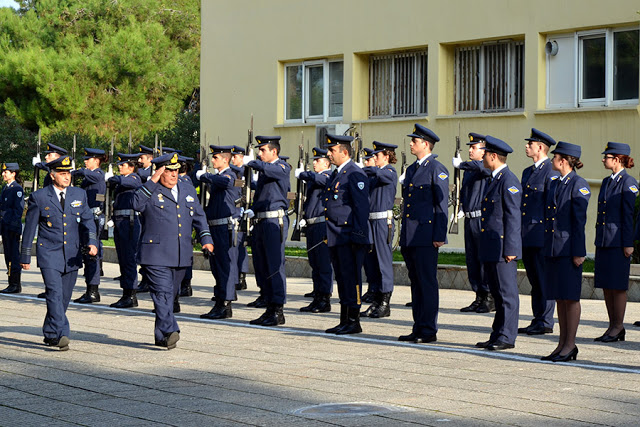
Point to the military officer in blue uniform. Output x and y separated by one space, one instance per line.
11 208
65 225
170 210
614 236
378 263
144 162
126 230
534 180
93 182
474 182
186 165
501 243
425 189
50 154
348 234
270 228
243 258
222 216
315 230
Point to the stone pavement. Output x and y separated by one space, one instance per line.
229 373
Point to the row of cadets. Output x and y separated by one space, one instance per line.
11 208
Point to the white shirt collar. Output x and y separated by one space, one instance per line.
562 178
495 172
539 162
614 175
343 165
421 161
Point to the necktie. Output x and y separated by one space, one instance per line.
62 199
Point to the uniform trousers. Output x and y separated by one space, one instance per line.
92 264
319 258
224 264
126 237
541 306
347 263
58 289
11 249
268 259
475 271
503 283
164 286
243 257
422 266
378 264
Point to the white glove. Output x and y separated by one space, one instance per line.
248 157
200 173
110 223
303 223
107 175
297 172
249 213
360 164
456 161
36 160
460 214
254 176
401 179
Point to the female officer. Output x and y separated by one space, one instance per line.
11 207
614 236
564 245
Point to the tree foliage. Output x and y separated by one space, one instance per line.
98 67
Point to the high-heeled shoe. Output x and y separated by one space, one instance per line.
572 355
551 356
614 338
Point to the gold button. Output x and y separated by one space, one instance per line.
429 221
524 204
65 242
484 209
326 200
526 195
179 234
64 223
178 215
345 222
65 233
410 185
482 219
409 195
64 215
482 230
150 241
325 209
408 206
178 206
485 199
407 215
179 225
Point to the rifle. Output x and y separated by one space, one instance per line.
130 142
204 157
246 189
36 169
299 201
455 191
104 235
73 159
155 154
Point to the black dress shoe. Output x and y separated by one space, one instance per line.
352 325
484 344
409 304
551 356
487 305
613 338
186 291
62 343
242 282
128 300
169 341
369 310
311 294
343 320
222 310
636 323
499 345
320 304
143 286
12 289
90 296
276 318
473 306
260 302
538 330
42 295
262 317
425 339
368 297
408 338
572 355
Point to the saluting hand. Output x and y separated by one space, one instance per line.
156 175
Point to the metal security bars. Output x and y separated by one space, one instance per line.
490 77
398 84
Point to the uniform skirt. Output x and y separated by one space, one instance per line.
611 269
563 279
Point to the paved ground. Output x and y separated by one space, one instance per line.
230 373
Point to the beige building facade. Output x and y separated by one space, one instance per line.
498 67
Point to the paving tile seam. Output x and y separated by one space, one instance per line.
47 417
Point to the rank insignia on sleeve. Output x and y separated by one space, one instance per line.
361 185
634 189
190 199
585 191
443 176
513 190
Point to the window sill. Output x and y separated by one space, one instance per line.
307 124
483 115
394 119
587 109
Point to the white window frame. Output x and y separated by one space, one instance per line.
306 66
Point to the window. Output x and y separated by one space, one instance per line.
398 84
593 68
490 77
313 91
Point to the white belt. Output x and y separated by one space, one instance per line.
315 220
270 214
381 215
124 212
220 221
473 214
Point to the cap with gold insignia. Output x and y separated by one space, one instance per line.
169 160
474 138
60 164
617 148
495 145
367 153
217 149
145 150
13 167
422 132
567 149
319 153
263 140
122 158
93 152
166 150
379 147
539 136
338 139
55 149
238 150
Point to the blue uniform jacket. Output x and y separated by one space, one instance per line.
382 187
144 174
186 179
425 194
616 203
314 200
566 216
500 233
347 207
126 185
272 186
534 186
222 200
166 219
60 234
93 183
47 178
474 184
11 207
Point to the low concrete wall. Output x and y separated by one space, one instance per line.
449 276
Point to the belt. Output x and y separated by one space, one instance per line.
473 214
315 220
124 212
220 221
270 214
381 215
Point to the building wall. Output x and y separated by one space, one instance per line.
245 44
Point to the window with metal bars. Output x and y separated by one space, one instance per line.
398 84
490 78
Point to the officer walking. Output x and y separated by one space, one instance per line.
170 210
474 182
126 230
11 208
315 230
65 225
378 263
270 228
535 180
348 235
93 182
501 243
222 216
425 188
